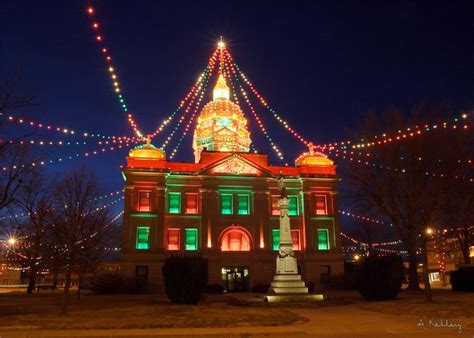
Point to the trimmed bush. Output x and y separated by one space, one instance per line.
463 279
111 283
379 278
185 278
214 288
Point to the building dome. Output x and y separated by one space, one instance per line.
312 157
221 126
147 151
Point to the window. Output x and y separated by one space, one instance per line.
235 240
143 238
226 204
243 204
191 236
325 273
323 239
320 205
275 239
295 239
293 209
275 206
144 201
141 271
174 202
173 239
191 203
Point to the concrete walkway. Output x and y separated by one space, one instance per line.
336 321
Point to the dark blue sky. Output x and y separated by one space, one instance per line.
322 65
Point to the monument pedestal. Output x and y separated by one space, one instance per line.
286 283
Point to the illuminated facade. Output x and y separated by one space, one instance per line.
225 206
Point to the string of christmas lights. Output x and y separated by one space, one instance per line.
260 98
63 130
207 70
70 157
182 117
191 119
228 65
401 135
361 217
99 38
378 244
45 143
197 94
401 170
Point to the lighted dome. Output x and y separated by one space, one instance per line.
221 126
312 157
148 151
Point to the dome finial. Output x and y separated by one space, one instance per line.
221 90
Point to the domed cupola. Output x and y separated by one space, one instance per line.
221 126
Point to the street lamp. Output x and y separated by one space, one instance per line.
11 241
356 257
429 231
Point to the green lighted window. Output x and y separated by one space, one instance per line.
243 204
226 204
191 239
323 239
293 209
174 202
275 239
143 238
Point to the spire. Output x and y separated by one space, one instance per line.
221 90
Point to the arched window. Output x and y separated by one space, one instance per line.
235 238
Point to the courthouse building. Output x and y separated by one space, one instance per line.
225 206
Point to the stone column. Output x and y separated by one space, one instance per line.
287 280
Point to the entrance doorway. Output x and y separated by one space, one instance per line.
235 279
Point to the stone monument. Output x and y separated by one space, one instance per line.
287 280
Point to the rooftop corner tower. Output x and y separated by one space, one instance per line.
221 126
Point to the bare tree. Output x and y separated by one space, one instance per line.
15 159
82 224
11 96
35 200
404 180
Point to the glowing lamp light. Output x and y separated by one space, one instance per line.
356 257
90 10
221 44
429 231
11 241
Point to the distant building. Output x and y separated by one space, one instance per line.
225 206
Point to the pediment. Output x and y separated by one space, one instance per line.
235 165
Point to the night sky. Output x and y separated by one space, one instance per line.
321 65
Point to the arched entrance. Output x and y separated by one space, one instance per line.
235 239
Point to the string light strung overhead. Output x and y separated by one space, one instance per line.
63 130
193 115
260 98
197 94
61 159
111 69
229 66
459 123
349 155
190 94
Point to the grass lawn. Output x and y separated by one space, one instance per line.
41 311
446 304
